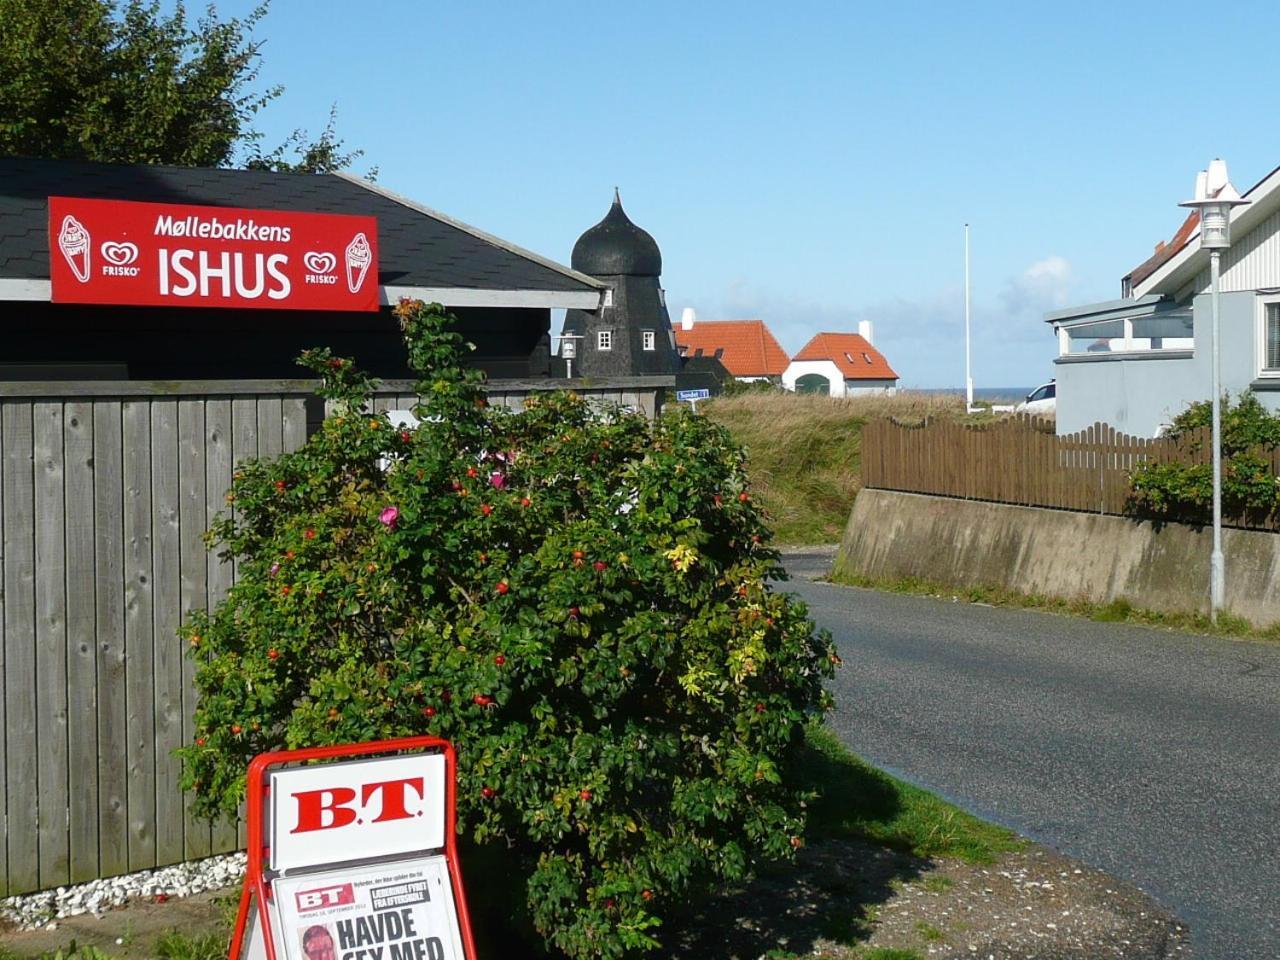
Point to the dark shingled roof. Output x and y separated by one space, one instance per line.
417 247
617 247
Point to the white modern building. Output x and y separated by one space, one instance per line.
1137 362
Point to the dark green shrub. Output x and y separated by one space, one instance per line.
579 600
1184 491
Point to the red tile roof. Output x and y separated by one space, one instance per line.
856 359
1165 251
750 350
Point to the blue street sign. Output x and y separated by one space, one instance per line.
693 395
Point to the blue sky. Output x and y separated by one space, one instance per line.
810 164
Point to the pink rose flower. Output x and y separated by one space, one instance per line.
389 516
498 479
275 568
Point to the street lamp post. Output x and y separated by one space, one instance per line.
569 351
1215 196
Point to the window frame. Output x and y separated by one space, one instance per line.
648 340
604 341
1266 302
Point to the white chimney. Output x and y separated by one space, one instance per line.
864 331
687 318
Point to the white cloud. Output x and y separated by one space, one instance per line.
1045 285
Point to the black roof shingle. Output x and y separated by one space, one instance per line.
417 247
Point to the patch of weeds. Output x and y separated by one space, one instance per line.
1117 611
935 884
857 800
180 946
1120 610
928 932
72 952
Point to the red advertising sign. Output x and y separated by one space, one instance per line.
352 855
163 254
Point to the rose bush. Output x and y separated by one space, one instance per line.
579 599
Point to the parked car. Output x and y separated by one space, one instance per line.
1043 399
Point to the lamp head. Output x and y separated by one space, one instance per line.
1215 196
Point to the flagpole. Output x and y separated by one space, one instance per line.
968 373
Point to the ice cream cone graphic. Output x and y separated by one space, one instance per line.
359 256
73 241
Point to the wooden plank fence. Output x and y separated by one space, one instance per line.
106 490
1020 460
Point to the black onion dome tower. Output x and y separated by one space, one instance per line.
631 334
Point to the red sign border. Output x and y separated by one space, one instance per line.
255 884
184 208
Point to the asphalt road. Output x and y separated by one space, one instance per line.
1153 755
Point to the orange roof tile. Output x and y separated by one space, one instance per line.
1165 251
750 350
856 359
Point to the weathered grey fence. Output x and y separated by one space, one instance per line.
106 490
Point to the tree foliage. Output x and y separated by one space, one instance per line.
1184 490
579 599
121 82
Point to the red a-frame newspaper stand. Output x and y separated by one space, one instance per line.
342 846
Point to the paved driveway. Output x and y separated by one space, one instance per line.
1153 755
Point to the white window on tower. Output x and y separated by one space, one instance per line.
647 339
604 340
1271 339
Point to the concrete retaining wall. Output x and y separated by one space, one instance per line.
968 543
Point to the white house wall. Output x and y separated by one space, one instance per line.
856 388
1251 263
1137 394
825 368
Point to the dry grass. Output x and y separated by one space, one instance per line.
805 451
903 405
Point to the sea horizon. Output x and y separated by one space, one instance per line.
979 393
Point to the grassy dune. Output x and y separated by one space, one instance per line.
804 451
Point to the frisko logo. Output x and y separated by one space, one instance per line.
119 254
383 801
119 259
337 895
320 262
320 267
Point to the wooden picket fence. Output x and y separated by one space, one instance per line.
1020 460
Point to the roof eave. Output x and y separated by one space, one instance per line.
42 291
1106 310
1182 267
474 231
